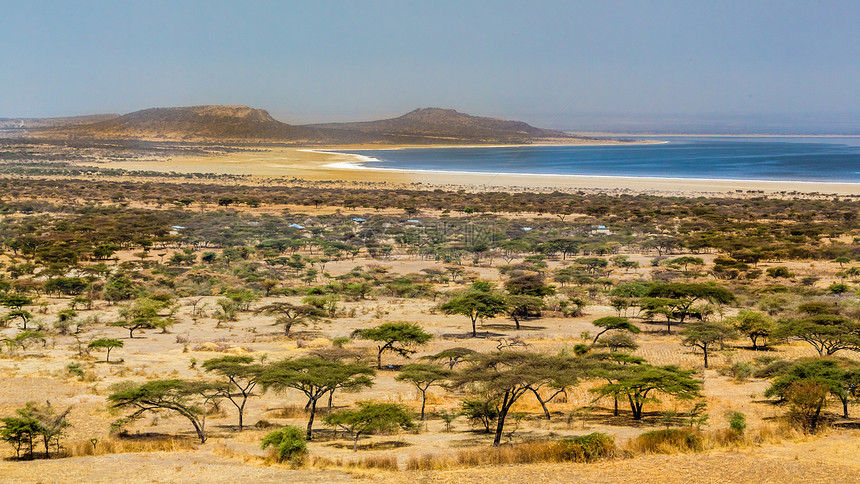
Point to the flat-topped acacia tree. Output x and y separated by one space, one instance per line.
315 376
187 398
106 343
397 338
289 314
609 323
423 376
640 382
476 304
505 376
242 374
675 299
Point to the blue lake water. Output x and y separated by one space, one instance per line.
750 158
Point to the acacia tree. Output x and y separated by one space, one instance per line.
289 314
371 417
242 374
706 335
677 299
187 398
475 304
31 423
827 333
523 306
394 337
453 356
144 313
753 325
423 376
315 376
609 366
106 343
505 376
637 382
609 323
841 376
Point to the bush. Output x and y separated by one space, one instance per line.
587 448
669 441
779 271
737 421
289 444
740 371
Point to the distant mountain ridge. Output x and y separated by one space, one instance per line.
30 123
246 124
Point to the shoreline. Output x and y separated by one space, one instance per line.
348 165
318 164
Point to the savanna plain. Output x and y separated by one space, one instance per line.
164 325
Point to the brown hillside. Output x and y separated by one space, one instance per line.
448 125
245 124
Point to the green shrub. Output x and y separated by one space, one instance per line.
288 442
75 369
587 448
737 421
669 441
740 371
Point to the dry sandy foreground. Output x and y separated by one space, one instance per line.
827 459
317 165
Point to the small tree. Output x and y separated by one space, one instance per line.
105 343
288 442
187 398
315 377
370 418
504 376
452 356
753 325
143 313
394 337
609 323
289 314
21 433
523 306
706 335
639 382
476 304
423 376
242 374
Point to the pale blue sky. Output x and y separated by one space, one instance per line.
561 64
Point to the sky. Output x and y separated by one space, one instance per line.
751 65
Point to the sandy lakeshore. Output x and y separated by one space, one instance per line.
317 164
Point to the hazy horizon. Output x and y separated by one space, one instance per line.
727 67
